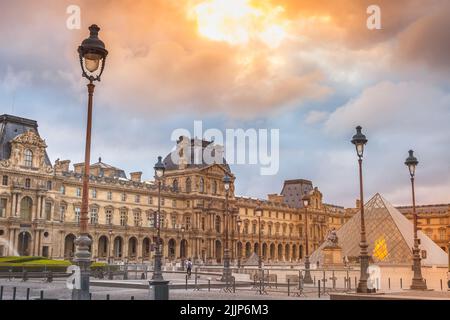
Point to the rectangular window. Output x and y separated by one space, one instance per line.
62 190
137 219
124 197
49 185
188 223
108 216
123 218
94 215
174 203
77 214
62 213
188 204
5 180
48 211
109 195
94 193
78 192
174 222
150 200
3 203
137 198
162 201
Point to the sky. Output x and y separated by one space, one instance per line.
310 68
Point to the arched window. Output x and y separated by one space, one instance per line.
188 185
28 158
202 185
175 185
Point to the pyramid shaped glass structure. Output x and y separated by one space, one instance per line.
389 234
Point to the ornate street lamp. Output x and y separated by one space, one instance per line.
418 282
183 247
259 213
307 279
92 54
360 140
239 251
226 277
160 286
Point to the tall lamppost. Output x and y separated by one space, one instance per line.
92 55
160 286
226 254
239 249
259 213
417 282
360 140
307 278
183 247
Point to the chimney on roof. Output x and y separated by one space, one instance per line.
136 176
358 204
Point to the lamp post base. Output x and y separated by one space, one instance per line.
418 284
83 260
159 290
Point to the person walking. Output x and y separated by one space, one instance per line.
189 268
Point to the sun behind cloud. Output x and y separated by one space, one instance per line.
239 22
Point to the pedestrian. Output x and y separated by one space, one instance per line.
189 268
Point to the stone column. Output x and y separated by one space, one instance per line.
13 205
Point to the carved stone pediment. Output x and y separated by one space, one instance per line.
30 138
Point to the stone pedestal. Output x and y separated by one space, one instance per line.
332 256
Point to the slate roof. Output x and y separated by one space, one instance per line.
11 127
170 165
294 190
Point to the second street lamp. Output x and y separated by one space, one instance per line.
160 287
239 248
360 140
92 54
418 282
226 277
307 279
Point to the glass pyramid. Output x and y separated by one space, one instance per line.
389 235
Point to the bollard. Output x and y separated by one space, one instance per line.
108 297
401 283
319 288
289 287
186 282
28 293
14 293
42 295
209 285
1 293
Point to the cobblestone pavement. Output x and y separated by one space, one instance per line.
58 290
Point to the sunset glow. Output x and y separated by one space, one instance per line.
239 22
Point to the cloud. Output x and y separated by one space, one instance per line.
314 117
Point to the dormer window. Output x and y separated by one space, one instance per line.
28 158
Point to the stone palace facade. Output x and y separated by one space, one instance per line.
40 209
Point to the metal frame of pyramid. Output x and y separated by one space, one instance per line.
389 235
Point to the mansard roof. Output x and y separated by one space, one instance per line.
10 128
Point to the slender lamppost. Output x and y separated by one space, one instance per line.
417 282
160 286
239 249
226 255
183 247
307 279
360 140
259 213
92 55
